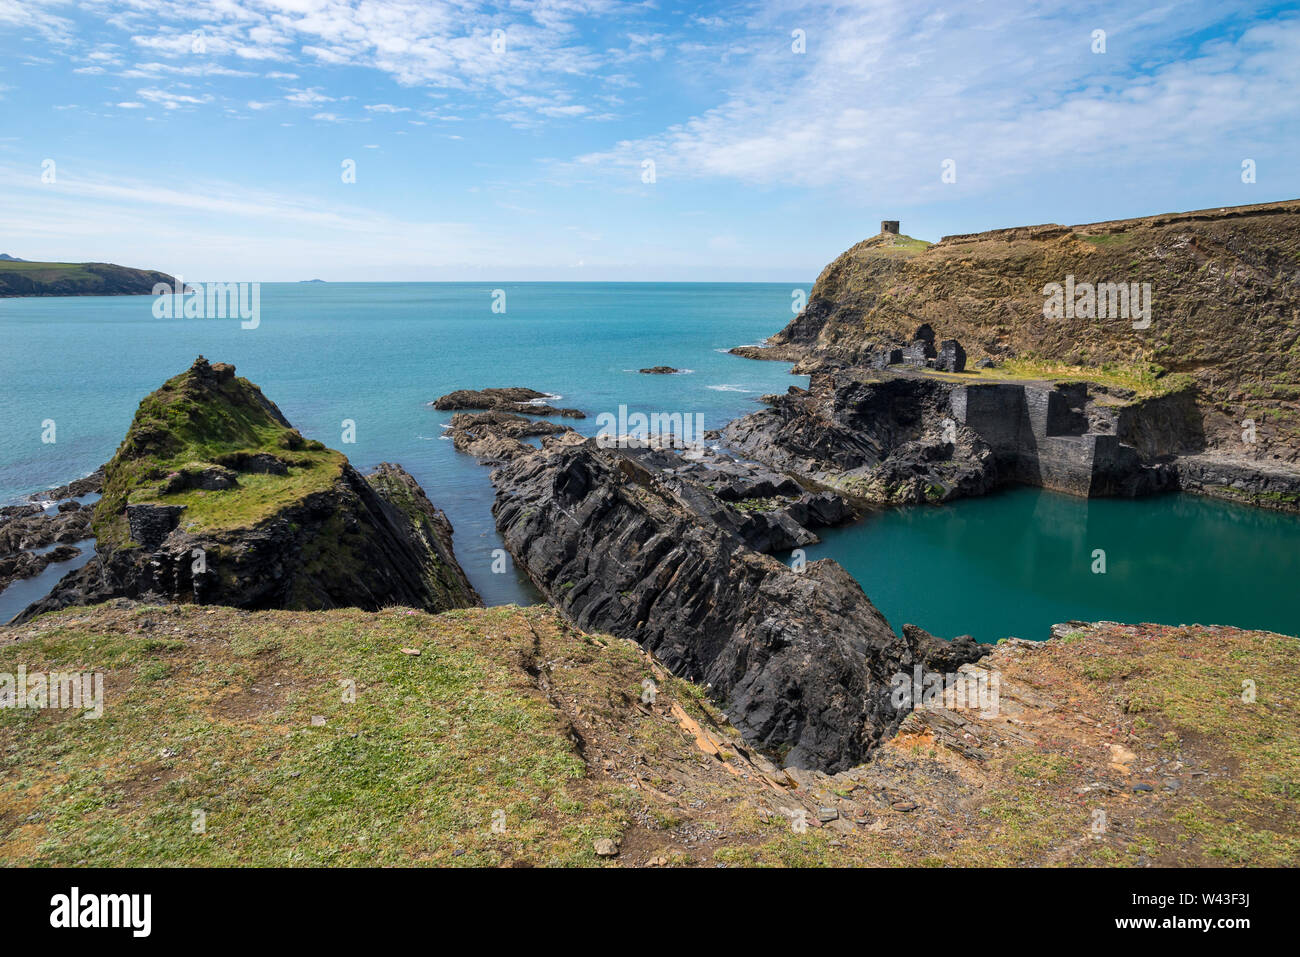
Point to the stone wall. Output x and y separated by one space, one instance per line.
997 412
1040 436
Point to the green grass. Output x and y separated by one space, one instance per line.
412 771
899 245
1144 379
257 497
189 424
47 272
510 710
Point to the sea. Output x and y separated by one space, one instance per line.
357 366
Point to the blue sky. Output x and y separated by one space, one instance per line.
208 138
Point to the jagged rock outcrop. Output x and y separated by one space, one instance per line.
299 528
801 658
46 530
469 430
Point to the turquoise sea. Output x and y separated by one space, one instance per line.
377 354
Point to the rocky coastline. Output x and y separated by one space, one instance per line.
48 529
670 547
670 544
1193 395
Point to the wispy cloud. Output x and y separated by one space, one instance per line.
885 94
193 220
473 47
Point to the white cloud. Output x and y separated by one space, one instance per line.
172 101
886 92
309 97
185 227
29 15
436 43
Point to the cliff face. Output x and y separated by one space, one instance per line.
77 279
214 498
1224 295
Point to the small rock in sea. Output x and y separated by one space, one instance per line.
827 814
606 848
659 370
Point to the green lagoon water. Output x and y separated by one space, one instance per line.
1014 563
378 353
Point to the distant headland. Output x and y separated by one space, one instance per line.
21 278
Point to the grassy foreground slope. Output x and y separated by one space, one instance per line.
508 716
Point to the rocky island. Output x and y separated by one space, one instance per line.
214 498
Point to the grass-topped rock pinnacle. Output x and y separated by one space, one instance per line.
213 497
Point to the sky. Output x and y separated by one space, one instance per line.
405 140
